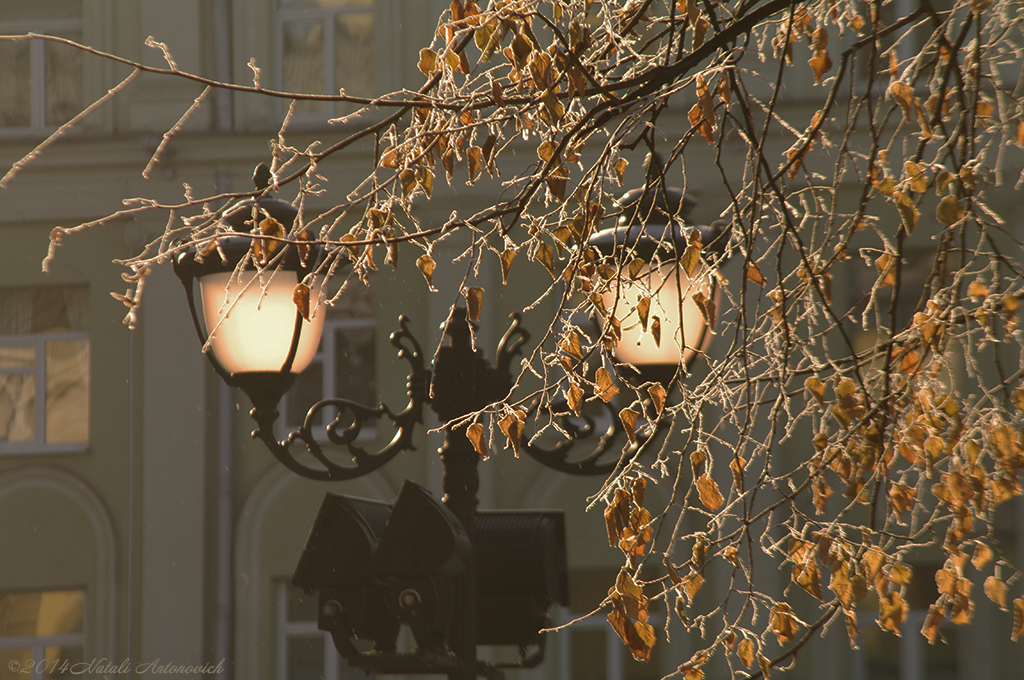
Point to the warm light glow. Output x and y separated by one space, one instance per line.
663 285
251 327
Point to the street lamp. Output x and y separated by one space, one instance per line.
257 283
663 309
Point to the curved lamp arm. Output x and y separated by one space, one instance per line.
579 429
345 436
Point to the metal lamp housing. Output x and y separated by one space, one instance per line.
652 227
257 338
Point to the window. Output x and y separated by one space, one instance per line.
883 656
325 46
40 81
44 369
41 634
344 366
303 651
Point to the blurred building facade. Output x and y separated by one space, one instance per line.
138 519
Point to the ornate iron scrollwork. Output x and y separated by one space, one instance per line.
348 423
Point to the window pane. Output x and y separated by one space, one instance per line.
61 662
324 4
17 357
53 612
13 661
17 409
15 90
301 607
354 377
306 657
63 66
353 56
303 61
67 391
40 10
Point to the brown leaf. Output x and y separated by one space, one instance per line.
782 622
892 611
658 394
707 308
932 620
506 263
475 434
408 179
656 330
746 650
475 162
426 267
900 574
512 427
754 274
710 496
820 63
628 418
575 398
982 555
995 590
570 344
1018 619
692 583
545 254
643 310
606 388
300 296
474 302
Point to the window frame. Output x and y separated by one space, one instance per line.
287 629
324 361
39 643
326 16
37 69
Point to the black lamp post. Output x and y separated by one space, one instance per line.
369 561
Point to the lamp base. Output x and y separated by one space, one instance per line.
264 388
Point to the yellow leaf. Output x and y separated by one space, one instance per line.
475 434
900 574
892 611
690 260
474 302
408 179
710 496
908 211
426 267
916 177
428 61
619 166
949 210
813 385
692 583
977 289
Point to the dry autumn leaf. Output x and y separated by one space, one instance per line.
710 496
475 434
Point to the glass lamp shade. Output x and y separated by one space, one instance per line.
679 343
250 320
